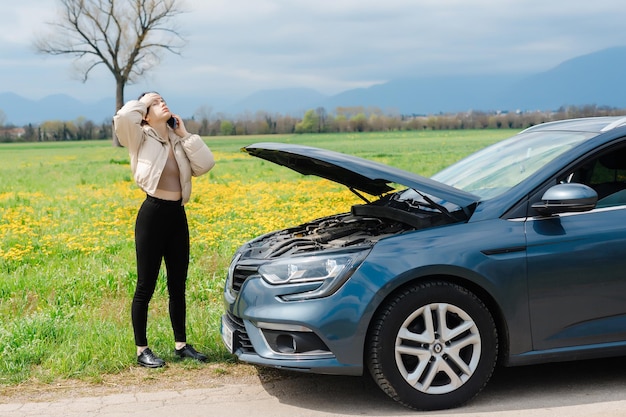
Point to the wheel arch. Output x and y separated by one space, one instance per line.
479 291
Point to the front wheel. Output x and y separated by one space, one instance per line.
432 346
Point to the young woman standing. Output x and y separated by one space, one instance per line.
163 158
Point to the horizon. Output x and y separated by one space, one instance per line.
591 79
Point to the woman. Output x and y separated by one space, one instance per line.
163 158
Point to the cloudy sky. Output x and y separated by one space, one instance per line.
237 47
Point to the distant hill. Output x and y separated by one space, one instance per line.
427 95
294 101
20 111
595 79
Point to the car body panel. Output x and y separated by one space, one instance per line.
578 279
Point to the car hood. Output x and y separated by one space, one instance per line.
356 173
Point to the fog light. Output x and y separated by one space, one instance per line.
285 343
294 342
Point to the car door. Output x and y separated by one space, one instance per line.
577 263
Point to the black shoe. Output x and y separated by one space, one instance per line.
188 351
149 359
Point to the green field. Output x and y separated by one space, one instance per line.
67 212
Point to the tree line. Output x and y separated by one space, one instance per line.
342 120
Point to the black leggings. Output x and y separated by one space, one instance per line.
161 233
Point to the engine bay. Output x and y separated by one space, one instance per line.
365 224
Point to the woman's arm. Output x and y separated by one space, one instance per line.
127 124
200 156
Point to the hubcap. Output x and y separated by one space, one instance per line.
438 348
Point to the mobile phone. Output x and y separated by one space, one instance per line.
172 122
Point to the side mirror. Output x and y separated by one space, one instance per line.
564 198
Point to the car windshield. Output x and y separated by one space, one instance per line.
497 168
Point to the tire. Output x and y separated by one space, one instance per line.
423 364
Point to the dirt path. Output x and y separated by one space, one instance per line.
587 388
137 379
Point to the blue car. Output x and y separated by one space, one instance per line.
515 255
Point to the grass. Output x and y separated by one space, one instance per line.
67 271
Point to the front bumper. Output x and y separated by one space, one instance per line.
319 336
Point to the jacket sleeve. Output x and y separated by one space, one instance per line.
200 156
128 127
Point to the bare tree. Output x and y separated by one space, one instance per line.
126 36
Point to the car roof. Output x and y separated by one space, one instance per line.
585 124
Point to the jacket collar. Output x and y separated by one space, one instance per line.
173 138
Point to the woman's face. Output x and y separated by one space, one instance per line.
157 108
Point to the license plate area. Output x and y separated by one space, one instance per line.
229 336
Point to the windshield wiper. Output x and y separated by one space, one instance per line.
439 207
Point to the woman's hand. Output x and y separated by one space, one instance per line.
150 99
180 129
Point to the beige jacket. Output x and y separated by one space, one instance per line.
148 151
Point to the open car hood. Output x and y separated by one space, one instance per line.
356 173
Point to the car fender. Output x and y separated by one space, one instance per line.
465 254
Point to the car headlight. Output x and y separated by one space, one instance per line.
330 271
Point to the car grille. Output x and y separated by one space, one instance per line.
242 340
240 275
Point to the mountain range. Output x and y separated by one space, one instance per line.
592 79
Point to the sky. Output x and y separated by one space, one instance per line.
238 47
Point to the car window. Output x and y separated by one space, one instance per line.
498 168
606 174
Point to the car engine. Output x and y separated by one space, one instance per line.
364 225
